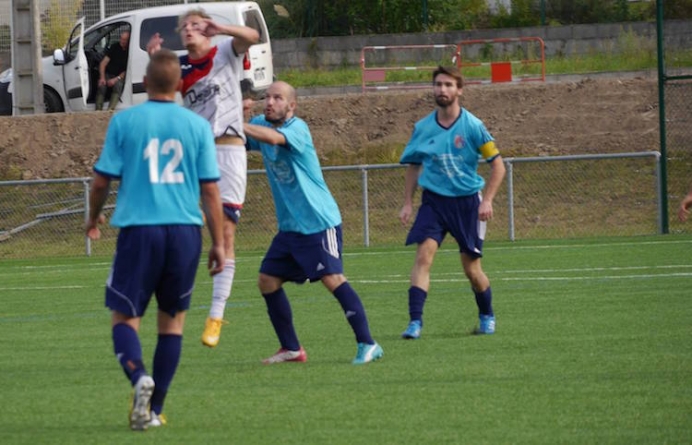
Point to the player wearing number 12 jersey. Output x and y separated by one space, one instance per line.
165 159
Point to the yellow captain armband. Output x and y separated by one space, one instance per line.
489 150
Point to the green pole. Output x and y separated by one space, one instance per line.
542 12
425 15
662 116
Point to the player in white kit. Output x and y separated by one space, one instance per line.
211 88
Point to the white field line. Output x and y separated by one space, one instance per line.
575 278
526 275
242 259
24 288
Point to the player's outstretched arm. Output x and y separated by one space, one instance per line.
264 134
211 203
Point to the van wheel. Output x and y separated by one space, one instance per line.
52 101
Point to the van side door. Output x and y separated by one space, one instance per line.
76 69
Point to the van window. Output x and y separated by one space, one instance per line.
253 19
166 27
97 41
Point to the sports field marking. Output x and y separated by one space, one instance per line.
501 275
6 266
575 278
42 287
595 269
598 277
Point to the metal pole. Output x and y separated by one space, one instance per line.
542 12
425 15
662 116
658 193
510 198
102 9
86 216
27 69
366 211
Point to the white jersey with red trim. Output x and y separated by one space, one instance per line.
211 88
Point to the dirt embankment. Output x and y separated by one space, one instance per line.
590 116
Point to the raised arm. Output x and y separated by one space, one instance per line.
154 43
243 36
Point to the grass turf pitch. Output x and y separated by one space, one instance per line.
593 346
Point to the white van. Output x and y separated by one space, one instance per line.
71 75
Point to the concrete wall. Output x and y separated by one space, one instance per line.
331 52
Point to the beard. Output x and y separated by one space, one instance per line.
275 120
444 102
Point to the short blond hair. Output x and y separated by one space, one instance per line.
196 12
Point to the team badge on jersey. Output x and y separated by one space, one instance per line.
459 141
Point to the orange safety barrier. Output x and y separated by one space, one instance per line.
503 71
378 77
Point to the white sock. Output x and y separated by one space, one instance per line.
223 281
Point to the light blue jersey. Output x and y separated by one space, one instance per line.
160 152
449 156
302 199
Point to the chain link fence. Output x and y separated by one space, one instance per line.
677 129
542 198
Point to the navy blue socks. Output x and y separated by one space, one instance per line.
128 351
484 300
166 359
281 316
416 301
355 312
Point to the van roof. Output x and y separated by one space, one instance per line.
180 9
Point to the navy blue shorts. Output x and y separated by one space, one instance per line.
458 216
232 212
297 257
159 260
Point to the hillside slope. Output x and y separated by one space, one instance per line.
538 119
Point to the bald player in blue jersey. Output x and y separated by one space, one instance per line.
165 159
442 157
309 243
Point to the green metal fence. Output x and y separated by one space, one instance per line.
576 196
675 111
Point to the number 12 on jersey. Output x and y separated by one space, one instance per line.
169 175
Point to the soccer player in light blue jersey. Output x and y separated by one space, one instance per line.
309 243
165 159
442 157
